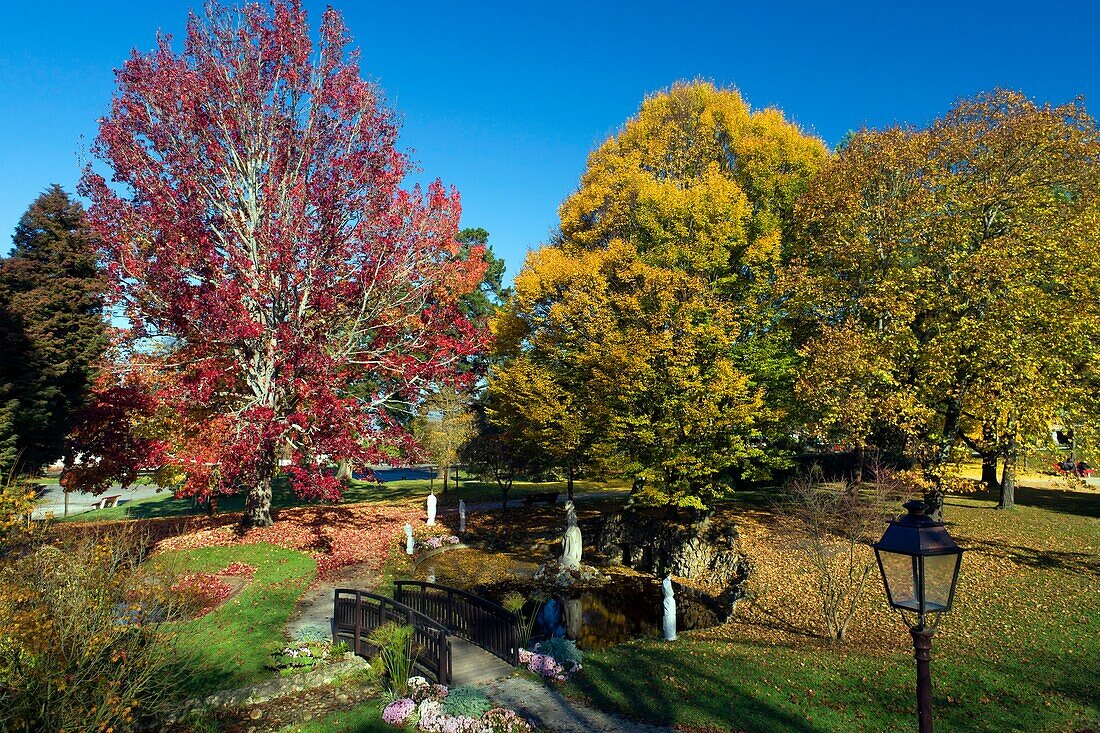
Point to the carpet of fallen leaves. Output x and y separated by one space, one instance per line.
1036 566
334 536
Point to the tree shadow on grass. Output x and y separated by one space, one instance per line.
1082 563
1064 501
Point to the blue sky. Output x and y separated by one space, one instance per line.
505 100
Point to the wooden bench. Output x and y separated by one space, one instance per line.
546 497
107 501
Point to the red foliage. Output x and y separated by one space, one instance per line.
208 591
239 569
255 227
334 536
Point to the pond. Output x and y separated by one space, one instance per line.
629 607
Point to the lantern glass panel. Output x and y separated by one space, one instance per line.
900 572
939 572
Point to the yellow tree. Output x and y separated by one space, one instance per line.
443 425
617 362
954 268
651 315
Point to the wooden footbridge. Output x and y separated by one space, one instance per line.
460 638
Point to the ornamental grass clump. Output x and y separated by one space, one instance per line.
396 653
515 602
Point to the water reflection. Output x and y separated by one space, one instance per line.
627 608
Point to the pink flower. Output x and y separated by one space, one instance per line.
398 711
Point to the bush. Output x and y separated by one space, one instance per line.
466 702
561 650
17 498
80 648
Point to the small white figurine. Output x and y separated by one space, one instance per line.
431 574
669 605
409 544
431 509
461 516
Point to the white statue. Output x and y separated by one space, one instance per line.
461 516
409 544
571 541
669 605
431 509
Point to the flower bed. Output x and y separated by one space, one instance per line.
304 656
436 541
547 667
425 709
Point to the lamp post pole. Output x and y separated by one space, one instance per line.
922 650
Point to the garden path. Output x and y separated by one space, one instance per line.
547 708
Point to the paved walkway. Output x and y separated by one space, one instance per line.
548 709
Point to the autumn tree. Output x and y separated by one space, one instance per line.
628 367
665 265
443 426
255 228
947 272
54 330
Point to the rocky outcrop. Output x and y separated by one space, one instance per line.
687 544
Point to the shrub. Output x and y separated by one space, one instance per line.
17 498
80 648
395 654
467 702
561 650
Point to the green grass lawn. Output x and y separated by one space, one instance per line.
1020 652
166 505
231 646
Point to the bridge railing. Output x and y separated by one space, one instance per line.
356 613
478 620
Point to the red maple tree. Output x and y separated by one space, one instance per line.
267 262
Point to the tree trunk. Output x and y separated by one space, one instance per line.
257 503
1008 477
569 482
343 473
446 478
989 471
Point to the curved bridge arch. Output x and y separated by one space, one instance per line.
468 616
355 613
439 614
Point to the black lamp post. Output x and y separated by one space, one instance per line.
920 566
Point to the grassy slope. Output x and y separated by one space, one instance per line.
1021 652
232 644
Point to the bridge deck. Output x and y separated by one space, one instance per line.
472 665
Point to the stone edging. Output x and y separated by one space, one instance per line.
278 687
418 559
